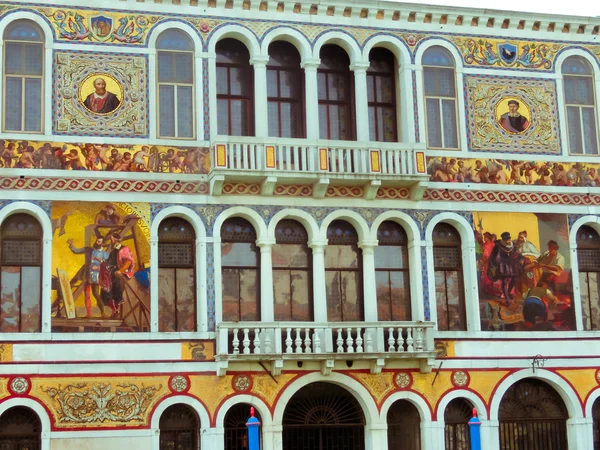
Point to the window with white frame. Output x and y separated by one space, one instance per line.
580 101
23 77
439 82
175 69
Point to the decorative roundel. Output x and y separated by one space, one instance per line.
19 385
241 383
460 378
179 383
403 380
598 376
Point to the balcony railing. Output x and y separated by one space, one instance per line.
300 155
260 341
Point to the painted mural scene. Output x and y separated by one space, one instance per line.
100 266
103 157
505 171
524 272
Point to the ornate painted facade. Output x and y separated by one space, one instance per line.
419 231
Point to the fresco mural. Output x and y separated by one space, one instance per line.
100 266
103 157
524 271
504 171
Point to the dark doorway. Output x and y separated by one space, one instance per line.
532 417
236 432
20 428
179 428
323 416
404 426
456 418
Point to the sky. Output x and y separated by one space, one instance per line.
570 7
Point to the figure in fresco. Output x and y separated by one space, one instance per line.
505 264
550 265
94 257
8 154
101 101
26 159
107 217
115 271
487 284
536 304
139 159
513 121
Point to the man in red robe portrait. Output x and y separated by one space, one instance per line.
101 101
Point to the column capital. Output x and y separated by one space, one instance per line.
259 61
359 66
316 244
265 243
368 244
311 64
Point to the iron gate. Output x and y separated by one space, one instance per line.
323 416
404 427
456 418
20 428
532 417
236 432
179 429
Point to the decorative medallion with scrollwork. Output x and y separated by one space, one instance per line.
179 383
460 378
403 380
19 386
241 383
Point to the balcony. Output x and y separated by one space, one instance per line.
276 342
317 164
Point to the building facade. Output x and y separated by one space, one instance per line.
363 220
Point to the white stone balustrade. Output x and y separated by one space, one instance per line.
306 156
291 340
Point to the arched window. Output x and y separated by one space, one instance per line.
449 292
440 98
580 100
532 415
336 94
404 426
588 261
292 280
176 275
391 273
241 273
20 428
285 91
596 419
343 273
175 68
456 419
179 428
381 85
23 77
21 274
236 431
323 416
235 89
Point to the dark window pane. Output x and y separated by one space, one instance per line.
434 123
282 294
249 306
222 117
579 90
185 111
590 135
222 80
574 129
391 257
231 295
449 121
334 296
13 104
186 299
166 300
10 309
31 287
166 67
173 39
33 104
166 96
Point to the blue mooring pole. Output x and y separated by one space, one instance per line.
475 431
253 432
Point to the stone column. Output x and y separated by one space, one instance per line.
369 287
266 279
580 432
432 435
154 285
212 94
213 438
361 100
405 108
376 436
319 287
261 124
311 93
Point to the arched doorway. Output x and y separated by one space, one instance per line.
532 416
179 428
404 426
456 419
323 416
20 428
236 432
596 419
